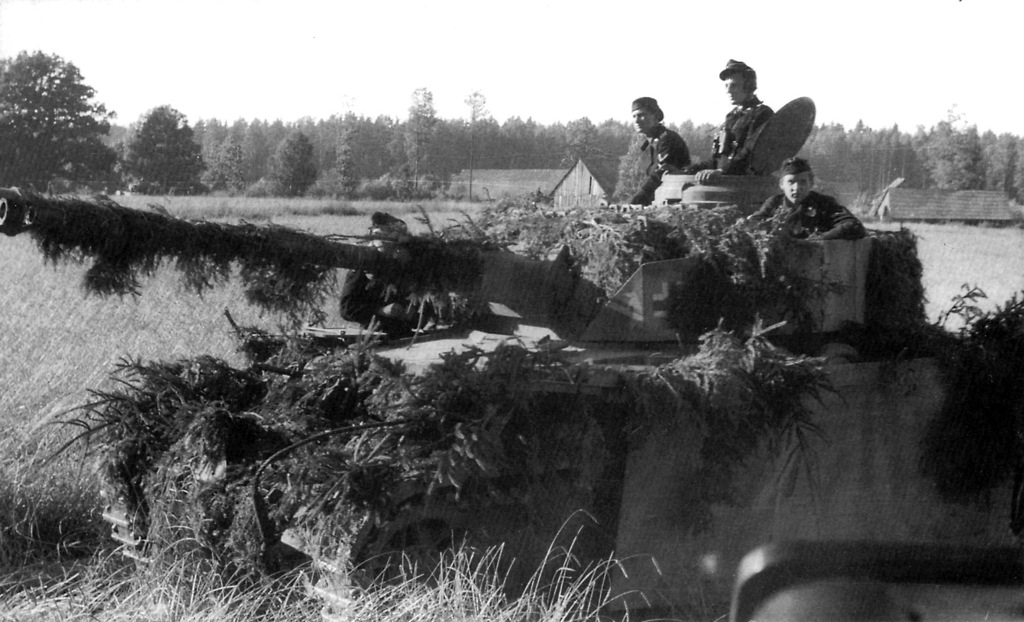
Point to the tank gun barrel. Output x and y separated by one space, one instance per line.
126 242
102 228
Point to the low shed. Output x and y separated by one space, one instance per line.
974 206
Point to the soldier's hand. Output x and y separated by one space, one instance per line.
708 176
392 310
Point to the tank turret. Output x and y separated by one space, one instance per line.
782 137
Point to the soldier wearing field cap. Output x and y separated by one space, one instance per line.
366 299
731 151
667 150
807 214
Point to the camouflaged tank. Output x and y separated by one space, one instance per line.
619 493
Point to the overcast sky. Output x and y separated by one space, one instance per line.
906 62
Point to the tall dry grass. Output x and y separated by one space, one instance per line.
466 586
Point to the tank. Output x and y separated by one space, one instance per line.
855 478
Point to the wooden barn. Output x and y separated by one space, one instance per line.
579 187
560 187
971 206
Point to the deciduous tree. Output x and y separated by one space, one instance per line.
50 125
226 170
163 153
952 154
1000 162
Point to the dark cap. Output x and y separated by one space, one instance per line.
795 166
649 104
736 66
382 222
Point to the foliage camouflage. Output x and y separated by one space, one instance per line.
745 267
349 448
285 270
976 442
282 269
366 447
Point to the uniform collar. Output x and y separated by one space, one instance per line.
659 131
752 102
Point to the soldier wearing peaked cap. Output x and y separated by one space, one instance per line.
667 149
735 138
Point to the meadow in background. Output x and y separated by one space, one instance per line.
57 343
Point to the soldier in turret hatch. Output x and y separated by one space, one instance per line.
805 213
732 145
667 149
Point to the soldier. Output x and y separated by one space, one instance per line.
731 151
668 151
807 214
365 298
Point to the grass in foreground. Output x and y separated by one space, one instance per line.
465 587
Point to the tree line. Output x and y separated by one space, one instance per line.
57 136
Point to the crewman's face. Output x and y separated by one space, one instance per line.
797 187
736 88
644 121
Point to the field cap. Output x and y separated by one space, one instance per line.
795 166
736 66
384 223
649 104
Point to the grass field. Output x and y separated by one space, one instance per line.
56 344
957 255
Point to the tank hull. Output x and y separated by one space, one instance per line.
863 484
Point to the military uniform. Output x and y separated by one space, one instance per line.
743 124
818 214
668 153
736 137
365 299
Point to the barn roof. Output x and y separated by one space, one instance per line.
913 204
512 182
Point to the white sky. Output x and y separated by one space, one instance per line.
882 61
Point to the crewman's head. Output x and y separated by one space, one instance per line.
797 180
386 225
646 114
740 81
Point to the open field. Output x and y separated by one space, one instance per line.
284 211
957 255
56 344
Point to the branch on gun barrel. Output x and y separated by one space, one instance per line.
282 269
